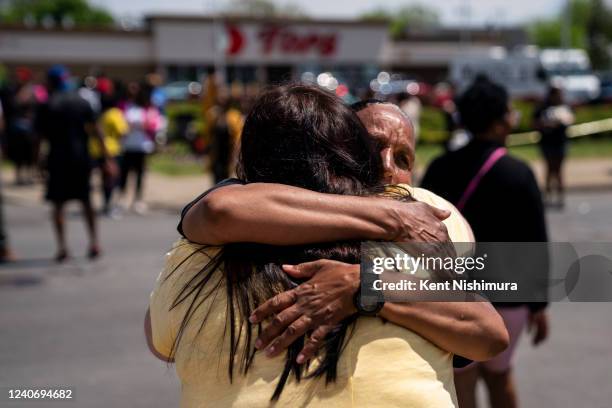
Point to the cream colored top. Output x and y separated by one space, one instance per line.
383 365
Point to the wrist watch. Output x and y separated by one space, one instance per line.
367 306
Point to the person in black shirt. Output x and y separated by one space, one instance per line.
499 197
552 120
67 121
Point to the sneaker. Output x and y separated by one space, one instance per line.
140 207
94 252
116 213
61 256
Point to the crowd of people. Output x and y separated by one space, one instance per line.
129 116
63 131
273 255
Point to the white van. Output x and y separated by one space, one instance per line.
528 72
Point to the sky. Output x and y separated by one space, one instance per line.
452 12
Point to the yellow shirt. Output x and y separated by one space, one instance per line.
114 127
459 229
235 123
382 365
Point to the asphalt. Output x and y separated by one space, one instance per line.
79 325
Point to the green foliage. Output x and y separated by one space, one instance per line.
547 32
599 34
580 148
590 113
584 114
525 110
413 16
80 12
187 108
425 153
432 126
176 161
264 8
378 14
590 29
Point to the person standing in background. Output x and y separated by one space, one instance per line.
158 94
552 120
499 197
6 255
114 127
227 122
89 92
20 101
144 121
67 121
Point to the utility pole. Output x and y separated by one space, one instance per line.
566 27
465 11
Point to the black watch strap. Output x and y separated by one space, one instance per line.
366 308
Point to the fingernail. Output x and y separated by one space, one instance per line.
253 319
287 266
258 344
270 351
300 358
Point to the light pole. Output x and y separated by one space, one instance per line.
566 27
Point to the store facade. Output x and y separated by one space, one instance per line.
184 47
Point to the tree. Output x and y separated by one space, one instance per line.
598 35
264 8
591 29
407 17
378 14
55 12
547 32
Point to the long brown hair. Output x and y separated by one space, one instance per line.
303 136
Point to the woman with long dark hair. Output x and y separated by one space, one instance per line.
302 136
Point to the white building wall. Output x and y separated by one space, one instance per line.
429 54
47 47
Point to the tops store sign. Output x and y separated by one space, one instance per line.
268 43
277 39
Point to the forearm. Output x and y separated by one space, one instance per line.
284 215
472 330
96 133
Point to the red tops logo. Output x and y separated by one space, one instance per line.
283 40
286 41
235 40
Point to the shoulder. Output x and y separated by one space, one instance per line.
186 258
459 229
514 170
183 262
